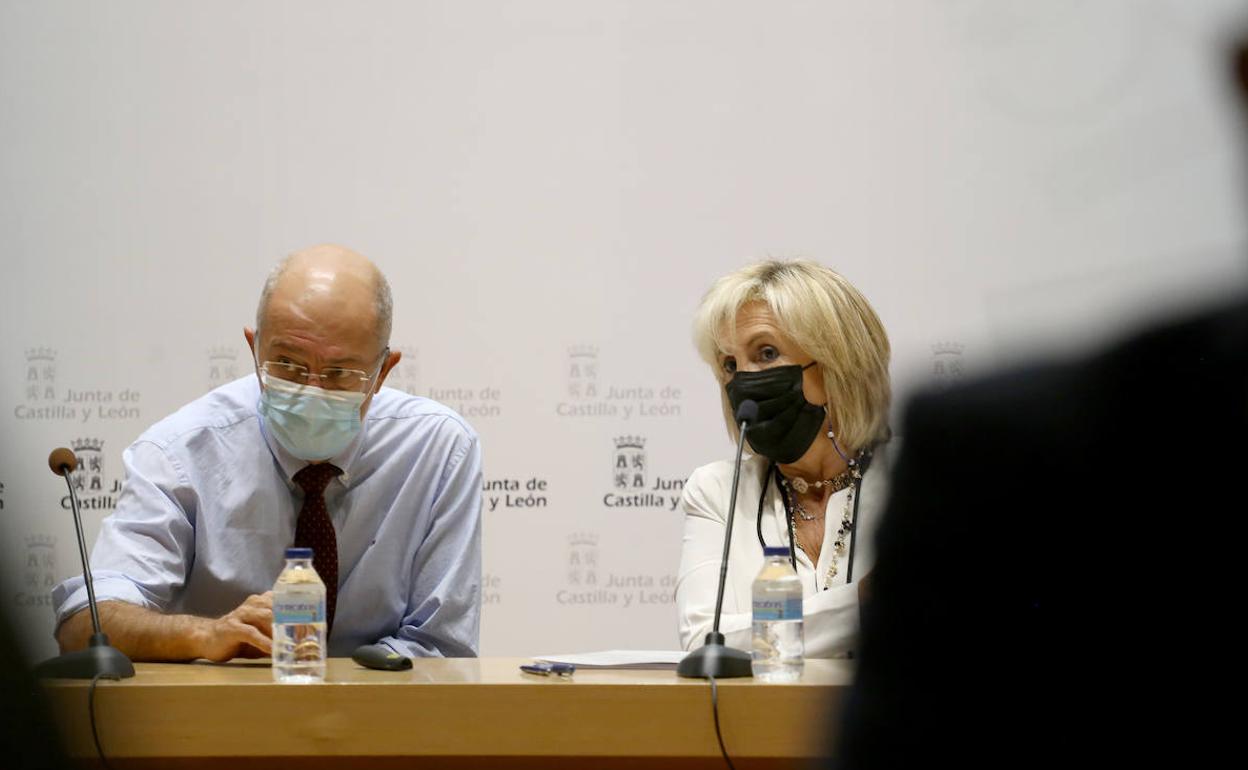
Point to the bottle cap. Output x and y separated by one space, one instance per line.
777 550
298 553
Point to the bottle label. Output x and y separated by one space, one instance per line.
777 609
299 611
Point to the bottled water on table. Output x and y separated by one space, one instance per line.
299 633
777 647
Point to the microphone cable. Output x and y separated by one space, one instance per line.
719 736
95 734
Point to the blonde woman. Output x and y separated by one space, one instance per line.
806 346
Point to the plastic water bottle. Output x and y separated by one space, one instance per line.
299 636
777 647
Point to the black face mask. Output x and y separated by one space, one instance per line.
787 423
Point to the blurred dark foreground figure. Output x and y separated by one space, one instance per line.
28 737
1058 578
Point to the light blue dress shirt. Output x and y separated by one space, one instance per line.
209 506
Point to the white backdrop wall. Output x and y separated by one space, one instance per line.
550 186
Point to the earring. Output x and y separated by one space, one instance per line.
850 462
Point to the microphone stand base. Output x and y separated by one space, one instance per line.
98 659
714 659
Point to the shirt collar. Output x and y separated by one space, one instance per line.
291 465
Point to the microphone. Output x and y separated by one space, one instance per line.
715 658
62 461
99 658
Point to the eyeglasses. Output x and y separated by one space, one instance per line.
329 378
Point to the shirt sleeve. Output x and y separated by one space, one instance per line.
830 621
144 549
444 619
830 618
701 555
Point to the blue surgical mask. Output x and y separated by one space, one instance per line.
310 422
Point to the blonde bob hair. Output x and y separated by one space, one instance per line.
825 316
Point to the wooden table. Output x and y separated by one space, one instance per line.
457 713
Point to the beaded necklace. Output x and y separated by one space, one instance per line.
849 479
800 486
838 546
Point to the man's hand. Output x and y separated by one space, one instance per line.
147 635
244 632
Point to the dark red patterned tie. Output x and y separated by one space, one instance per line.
314 530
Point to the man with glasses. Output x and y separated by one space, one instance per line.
384 487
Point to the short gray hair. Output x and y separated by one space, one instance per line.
383 300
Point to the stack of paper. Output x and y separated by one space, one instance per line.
660 659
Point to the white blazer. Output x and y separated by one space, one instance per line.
830 613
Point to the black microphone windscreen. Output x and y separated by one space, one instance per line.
747 412
62 461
